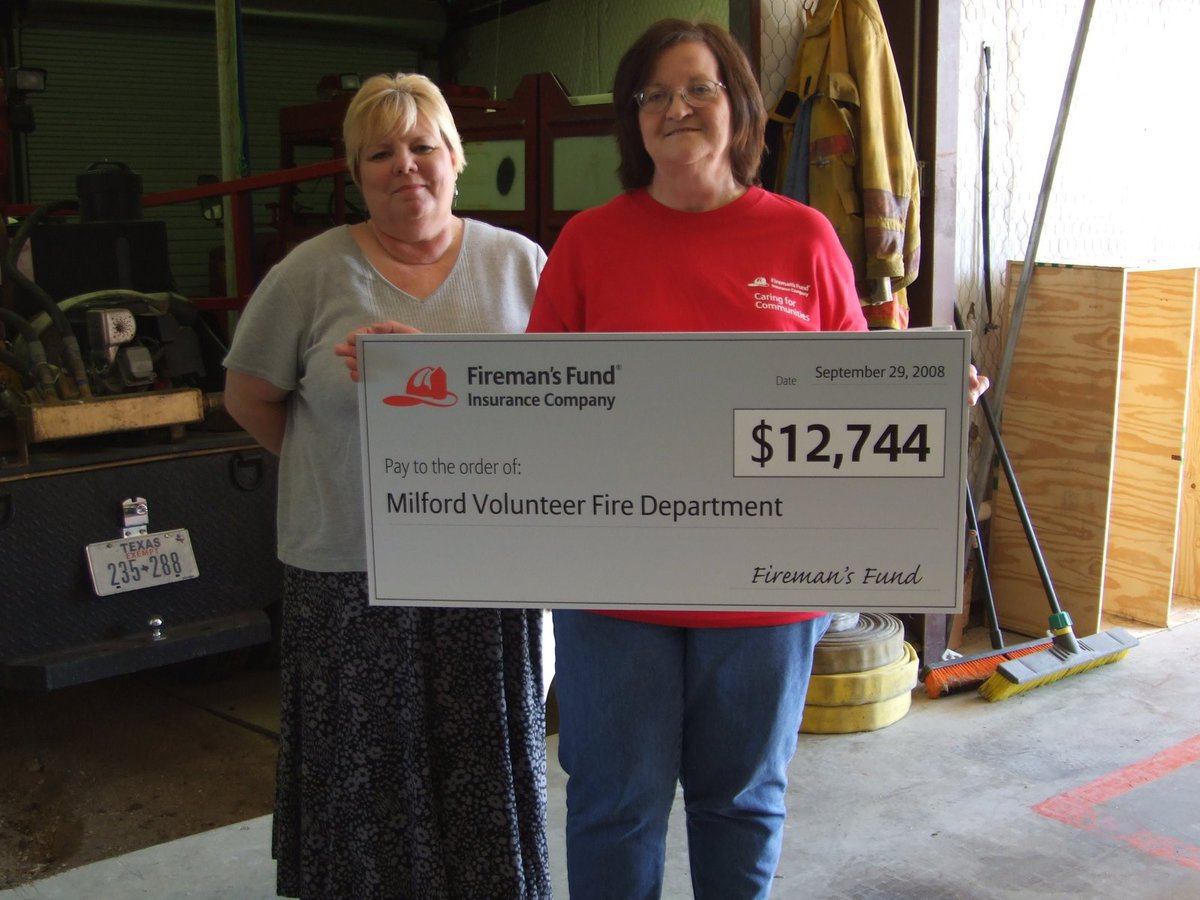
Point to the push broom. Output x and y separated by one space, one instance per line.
1067 655
1053 657
965 672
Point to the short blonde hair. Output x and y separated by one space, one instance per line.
389 103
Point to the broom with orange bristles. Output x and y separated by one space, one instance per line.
1009 671
1067 655
965 672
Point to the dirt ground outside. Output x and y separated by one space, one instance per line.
103 769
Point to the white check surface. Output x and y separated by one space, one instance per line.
683 471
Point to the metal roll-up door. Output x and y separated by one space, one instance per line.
142 89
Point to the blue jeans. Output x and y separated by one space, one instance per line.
643 706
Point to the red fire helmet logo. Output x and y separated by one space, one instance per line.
426 386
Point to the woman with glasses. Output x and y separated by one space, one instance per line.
712 700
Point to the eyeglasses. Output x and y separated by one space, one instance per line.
696 94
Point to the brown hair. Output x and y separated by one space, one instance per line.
748 117
387 103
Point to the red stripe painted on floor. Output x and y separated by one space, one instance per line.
1079 807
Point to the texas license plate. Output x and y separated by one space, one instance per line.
142 561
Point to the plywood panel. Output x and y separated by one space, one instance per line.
1148 459
1101 396
1058 425
1187 552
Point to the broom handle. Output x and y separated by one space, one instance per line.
993 620
997 638
1022 510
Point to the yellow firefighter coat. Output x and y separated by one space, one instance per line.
861 168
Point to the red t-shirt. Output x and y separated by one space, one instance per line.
761 263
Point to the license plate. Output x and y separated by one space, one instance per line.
145 560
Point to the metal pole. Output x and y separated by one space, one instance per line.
1000 377
227 12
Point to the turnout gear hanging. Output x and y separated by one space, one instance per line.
839 141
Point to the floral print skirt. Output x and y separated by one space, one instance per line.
412 755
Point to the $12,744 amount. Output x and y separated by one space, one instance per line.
824 443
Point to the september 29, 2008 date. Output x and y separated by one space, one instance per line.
894 372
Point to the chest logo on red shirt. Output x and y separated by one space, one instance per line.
777 295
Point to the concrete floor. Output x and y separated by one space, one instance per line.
1083 788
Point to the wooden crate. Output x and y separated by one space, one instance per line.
1095 421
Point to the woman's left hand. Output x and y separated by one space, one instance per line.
976 385
348 349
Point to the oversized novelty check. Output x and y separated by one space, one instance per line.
683 471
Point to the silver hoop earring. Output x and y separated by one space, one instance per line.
454 202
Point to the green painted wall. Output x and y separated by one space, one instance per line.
580 41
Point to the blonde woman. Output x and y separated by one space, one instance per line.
412 748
